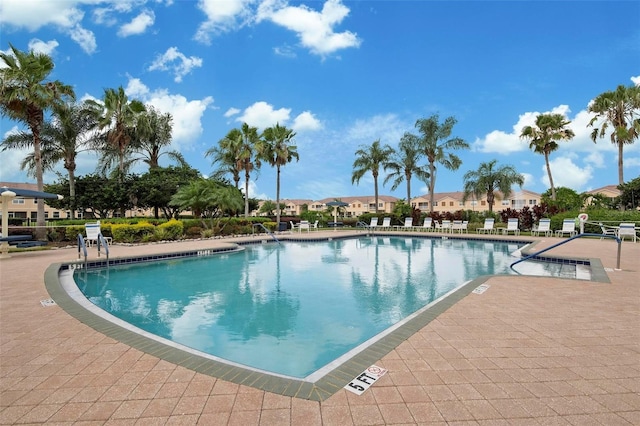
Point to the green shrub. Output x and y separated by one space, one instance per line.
71 232
171 230
131 233
194 231
207 233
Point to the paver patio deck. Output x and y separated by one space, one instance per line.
528 351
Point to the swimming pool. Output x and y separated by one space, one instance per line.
292 309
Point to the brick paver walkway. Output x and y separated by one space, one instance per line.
527 351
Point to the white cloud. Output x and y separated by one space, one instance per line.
187 114
315 29
568 174
175 61
222 16
85 38
138 25
529 180
46 47
636 80
306 121
386 127
34 14
262 115
231 112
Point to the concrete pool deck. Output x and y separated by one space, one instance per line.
528 350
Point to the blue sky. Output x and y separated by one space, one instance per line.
345 73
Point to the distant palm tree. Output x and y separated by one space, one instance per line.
62 139
370 159
549 129
403 164
117 117
25 94
247 158
434 146
226 155
488 179
276 148
152 134
619 109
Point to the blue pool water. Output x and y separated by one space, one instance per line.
295 307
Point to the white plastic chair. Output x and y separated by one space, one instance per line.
607 231
374 222
627 230
304 224
92 231
544 225
568 227
488 226
315 225
512 226
386 223
427 225
408 224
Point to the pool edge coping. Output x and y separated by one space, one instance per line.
319 390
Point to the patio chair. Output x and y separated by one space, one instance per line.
315 225
568 227
544 225
512 226
458 226
488 226
408 224
427 225
294 226
92 232
607 231
304 224
386 223
627 230
446 226
373 223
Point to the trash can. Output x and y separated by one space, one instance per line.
282 226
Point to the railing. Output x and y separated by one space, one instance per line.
267 231
571 239
365 226
102 241
83 246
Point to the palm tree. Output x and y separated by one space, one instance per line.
488 179
549 129
404 164
276 148
118 116
247 158
25 95
226 154
620 110
152 134
370 159
62 139
434 146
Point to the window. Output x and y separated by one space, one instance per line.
532 202
450 203
423 205
474 203
380 205
461 204
505 202
17 201
483 203
435 204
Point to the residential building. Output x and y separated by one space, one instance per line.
452 201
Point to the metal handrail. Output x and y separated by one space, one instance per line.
82 245
267 231
571 239
103 241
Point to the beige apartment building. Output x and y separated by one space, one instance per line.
452 201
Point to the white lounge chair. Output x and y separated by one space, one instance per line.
488 226
294 226
315 225
386 223
607 231
544 226
627 230
568 227
408 224
374 222
446 226
459 226
427 225
92 231
512 226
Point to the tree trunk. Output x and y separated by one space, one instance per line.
553 189
278 196
432 185
620 166
375 189
246 193
34 123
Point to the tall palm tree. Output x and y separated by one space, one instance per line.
404 164
488 179
619 109
226 154
435 146
117 116
152 134
62 139
370 159
277 149
25 95
549 129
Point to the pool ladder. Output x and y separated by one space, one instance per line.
267 231
101 242
571 239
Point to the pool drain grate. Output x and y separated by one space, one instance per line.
47 302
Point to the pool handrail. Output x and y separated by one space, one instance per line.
267 231
103 241
83 246
566 241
